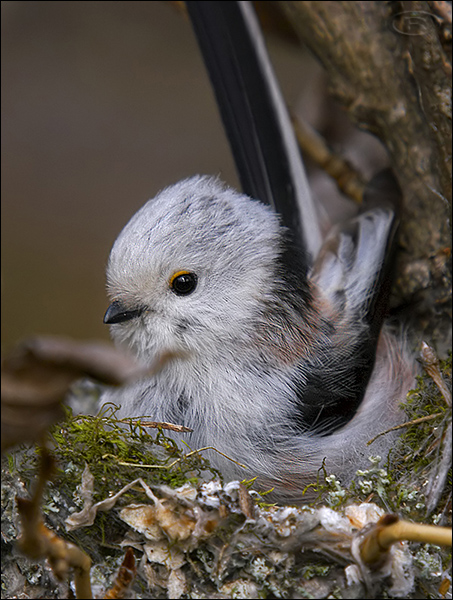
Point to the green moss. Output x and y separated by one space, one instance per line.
119 451
397 483
420 445
314 570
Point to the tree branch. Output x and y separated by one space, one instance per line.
389 70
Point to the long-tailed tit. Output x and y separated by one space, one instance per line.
276 360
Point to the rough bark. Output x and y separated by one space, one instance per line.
387 66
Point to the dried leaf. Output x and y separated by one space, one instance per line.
125 577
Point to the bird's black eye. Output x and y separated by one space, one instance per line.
183 283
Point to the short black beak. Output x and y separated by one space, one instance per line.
118 313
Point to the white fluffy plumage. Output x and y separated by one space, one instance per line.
265 358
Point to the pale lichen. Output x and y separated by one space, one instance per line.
194 537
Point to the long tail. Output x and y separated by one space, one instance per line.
254 114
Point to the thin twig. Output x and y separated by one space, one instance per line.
431 365
347 178
390 529
189 454
38 541
406 424
158 425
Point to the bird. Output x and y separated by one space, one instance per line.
271 342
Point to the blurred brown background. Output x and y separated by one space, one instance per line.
103 104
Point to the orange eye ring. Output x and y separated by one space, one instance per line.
183 283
